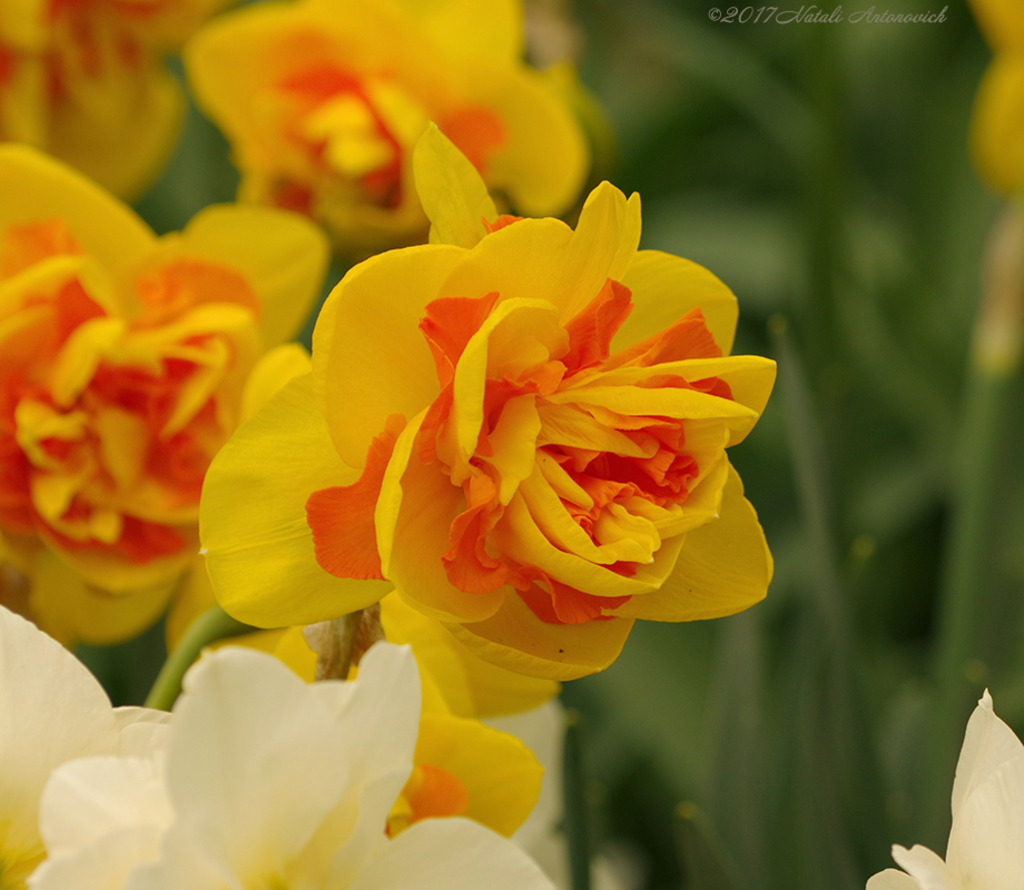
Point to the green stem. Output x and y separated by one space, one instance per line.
962 600
214 624
577 831
962 643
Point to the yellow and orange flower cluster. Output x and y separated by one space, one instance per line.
323 101
123 362
997 128
85 80
520 427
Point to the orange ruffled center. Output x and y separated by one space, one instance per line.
567 466
107 426
357 131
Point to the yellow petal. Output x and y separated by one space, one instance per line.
278 367
451 191
122 131
501 776
369 358
1001 23
69 609
36 187
291 648
282 255
750 379
516 639
544 161
997 124
194 596
664 289
465 28
470 687
542 259
253 517
723 568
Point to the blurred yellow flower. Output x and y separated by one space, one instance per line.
525 437
85 80
984 849
123 359
997 128
323 101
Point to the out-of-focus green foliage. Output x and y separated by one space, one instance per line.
822 171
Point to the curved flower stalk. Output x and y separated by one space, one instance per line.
271 782
123 362
997 127
85 81
984 851
520 427
53 711
323 101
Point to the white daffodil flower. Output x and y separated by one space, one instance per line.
51 711
267 782
986 843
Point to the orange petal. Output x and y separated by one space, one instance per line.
591 330
341 517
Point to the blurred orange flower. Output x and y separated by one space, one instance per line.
525 436
323 101
85 80
123 359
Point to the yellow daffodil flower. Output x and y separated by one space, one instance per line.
123 360
520 427
997 128
323 101
268 781
984 849
85 80
53 711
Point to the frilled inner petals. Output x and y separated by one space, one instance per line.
355 131
575 463
109 419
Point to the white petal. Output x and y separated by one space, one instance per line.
142 730
254 764
89 798
451 854
988 743
890 879
924 865
986 844
53 710
102 866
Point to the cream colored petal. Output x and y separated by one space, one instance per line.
424 857
988 744
985 848
54 710
89 798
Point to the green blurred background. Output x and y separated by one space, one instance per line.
822 171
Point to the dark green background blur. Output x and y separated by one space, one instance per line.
822 171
